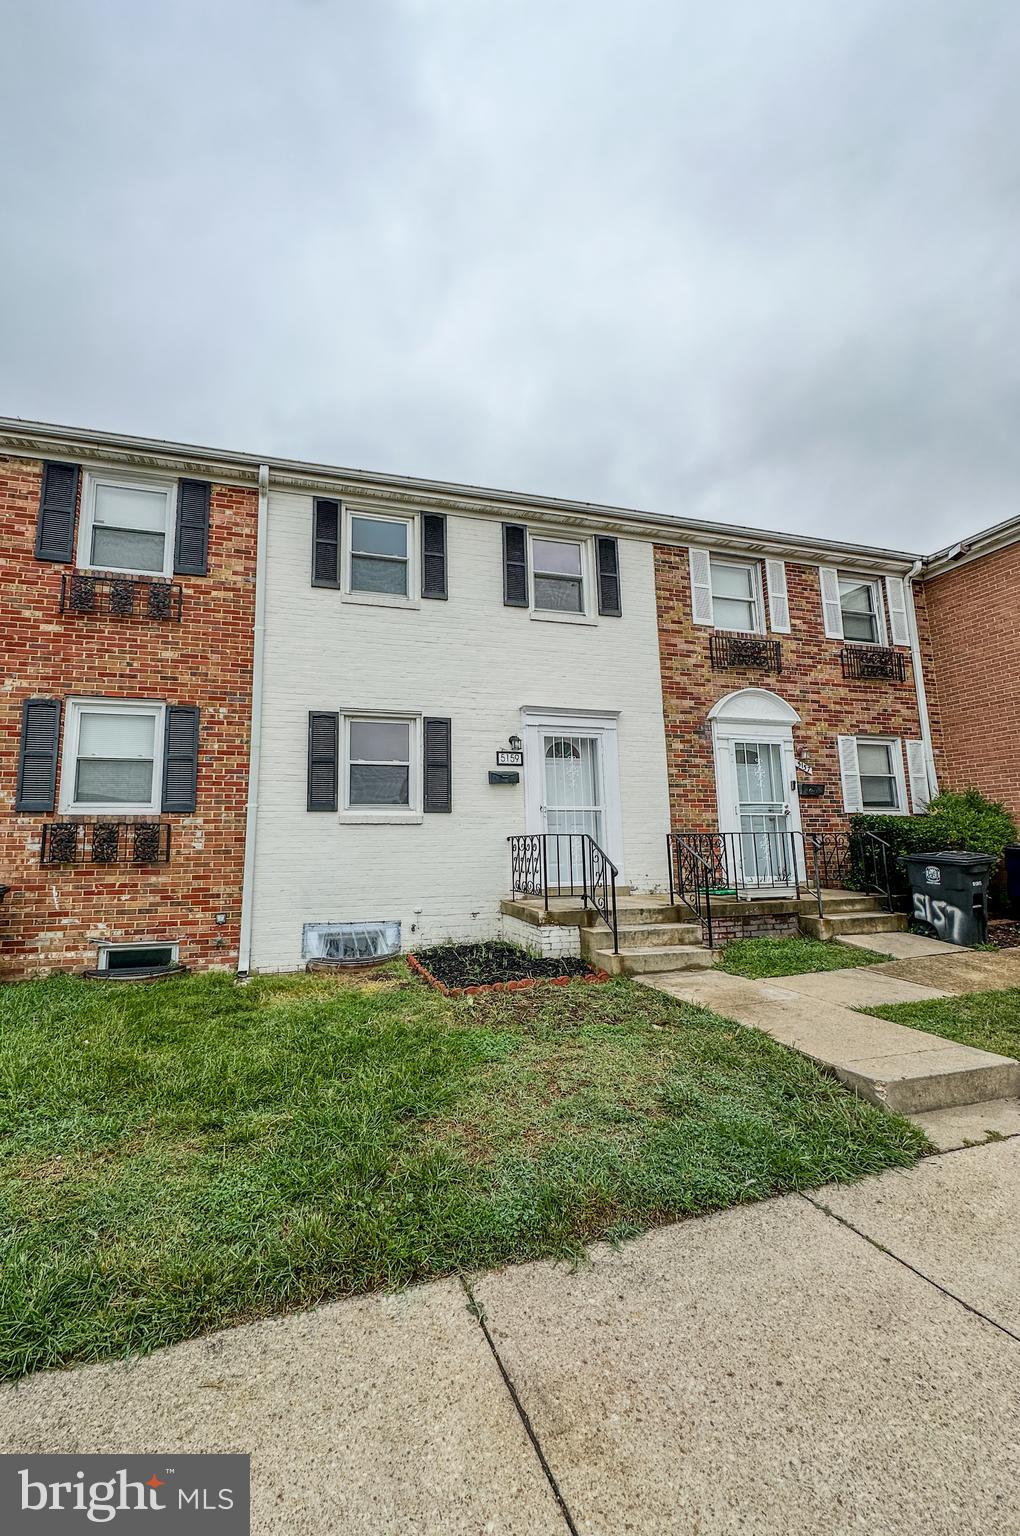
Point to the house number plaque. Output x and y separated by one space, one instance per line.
508 757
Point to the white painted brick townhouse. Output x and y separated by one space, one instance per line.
413 635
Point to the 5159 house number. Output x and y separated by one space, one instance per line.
509 757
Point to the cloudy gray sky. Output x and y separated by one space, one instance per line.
756 260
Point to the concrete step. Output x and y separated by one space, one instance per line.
848 901
835 925
645 935
916 1082
649 909
634 962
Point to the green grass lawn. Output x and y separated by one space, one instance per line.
791 957
193 1153
989 1020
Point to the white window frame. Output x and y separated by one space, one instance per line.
105 949
586 544
76 710
876 584
754 566
380 599
895 745
369 815
96 478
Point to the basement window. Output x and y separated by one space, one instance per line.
125 960
350 943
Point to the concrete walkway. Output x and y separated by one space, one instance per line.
843 1362
903 1069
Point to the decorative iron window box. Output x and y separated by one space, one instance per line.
745 651
123 597
105 842
873 663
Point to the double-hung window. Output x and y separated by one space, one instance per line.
736 595
860 603
127 526
111 757
379 555
557 567
379 755
880 782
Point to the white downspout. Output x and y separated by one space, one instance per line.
255 752
922 694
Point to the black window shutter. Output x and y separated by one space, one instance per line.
54 534
37 761
433 555
191 549
607 559
323 760
180 758
438 765
326 547
515 566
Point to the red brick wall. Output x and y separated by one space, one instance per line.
52 918
811 681
973 674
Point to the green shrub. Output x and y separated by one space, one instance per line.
967 821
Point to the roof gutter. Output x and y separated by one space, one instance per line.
921 691
255 748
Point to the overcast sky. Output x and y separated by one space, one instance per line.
756 260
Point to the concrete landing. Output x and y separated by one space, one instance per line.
901 946
970 1124
902 1069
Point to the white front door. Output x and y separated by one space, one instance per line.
572 789
755 770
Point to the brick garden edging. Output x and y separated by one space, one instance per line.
502 986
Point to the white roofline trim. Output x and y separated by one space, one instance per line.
33 438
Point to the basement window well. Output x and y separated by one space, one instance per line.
350 943
127 960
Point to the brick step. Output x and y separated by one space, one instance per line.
635 962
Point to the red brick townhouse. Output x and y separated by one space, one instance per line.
972 594
128 600
793 691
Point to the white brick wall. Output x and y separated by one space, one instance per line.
471 659
555 939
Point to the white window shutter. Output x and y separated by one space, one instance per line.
896 598
832 613
917 773
701 586
779 602
850 773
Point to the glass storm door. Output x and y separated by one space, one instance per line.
763 816
573 801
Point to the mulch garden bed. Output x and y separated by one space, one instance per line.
1004 933
454 969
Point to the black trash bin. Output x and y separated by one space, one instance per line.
1011 855
950 894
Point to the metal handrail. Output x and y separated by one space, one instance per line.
688 859
746 865
530 865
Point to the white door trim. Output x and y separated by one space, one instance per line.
536 722
725 733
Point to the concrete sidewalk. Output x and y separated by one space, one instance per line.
771 1369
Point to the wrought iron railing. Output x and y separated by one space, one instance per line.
690 880
565 864
105 842
747 865
744 651
873 663
124 597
